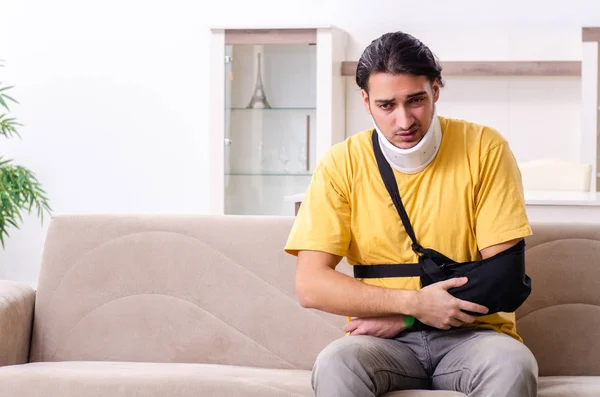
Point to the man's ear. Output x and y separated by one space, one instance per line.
435 87
365 97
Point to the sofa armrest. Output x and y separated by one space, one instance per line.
16 319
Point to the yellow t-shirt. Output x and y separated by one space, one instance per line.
469 198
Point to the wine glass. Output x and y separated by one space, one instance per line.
302 157
284 158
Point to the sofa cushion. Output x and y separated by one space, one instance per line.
116 379
124 379
569 386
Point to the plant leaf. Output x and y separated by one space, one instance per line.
12 222
3 162
3 103
10 98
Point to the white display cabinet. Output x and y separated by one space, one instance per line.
277 105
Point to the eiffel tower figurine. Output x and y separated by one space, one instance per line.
259 99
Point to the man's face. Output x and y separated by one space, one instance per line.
401 105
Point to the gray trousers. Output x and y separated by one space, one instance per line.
476 362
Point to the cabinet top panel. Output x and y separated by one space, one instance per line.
270 36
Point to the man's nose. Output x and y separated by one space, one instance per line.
404 120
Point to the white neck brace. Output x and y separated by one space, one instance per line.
415 159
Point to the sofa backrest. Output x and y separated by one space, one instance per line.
205 289
220 289
560 321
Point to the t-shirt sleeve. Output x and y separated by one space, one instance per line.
323 220
500 203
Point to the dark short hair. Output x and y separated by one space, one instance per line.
397 53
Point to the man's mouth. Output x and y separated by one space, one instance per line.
407 136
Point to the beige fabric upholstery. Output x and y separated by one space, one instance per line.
205 305
124 379
190 289
560 322
16 315
569 386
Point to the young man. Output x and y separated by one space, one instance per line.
462 191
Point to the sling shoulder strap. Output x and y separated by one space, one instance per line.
389 180
430 260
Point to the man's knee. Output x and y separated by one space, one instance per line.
517 366
505 361
343 353
510 355
345 358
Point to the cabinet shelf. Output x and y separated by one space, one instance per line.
497 68
236 109
269 174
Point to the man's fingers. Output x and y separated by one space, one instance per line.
351 326
465 318
357 331
453 283
472 307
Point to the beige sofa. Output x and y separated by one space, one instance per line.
205 306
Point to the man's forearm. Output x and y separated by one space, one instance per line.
331 291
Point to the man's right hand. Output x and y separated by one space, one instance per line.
437 308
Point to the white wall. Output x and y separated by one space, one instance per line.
115 106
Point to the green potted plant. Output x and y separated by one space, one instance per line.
20 190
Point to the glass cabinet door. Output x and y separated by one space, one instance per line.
270 118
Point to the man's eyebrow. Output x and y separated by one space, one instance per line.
416 94
409 96
384 100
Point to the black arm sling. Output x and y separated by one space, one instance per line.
498 283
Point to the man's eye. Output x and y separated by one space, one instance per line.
416 100
385 106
